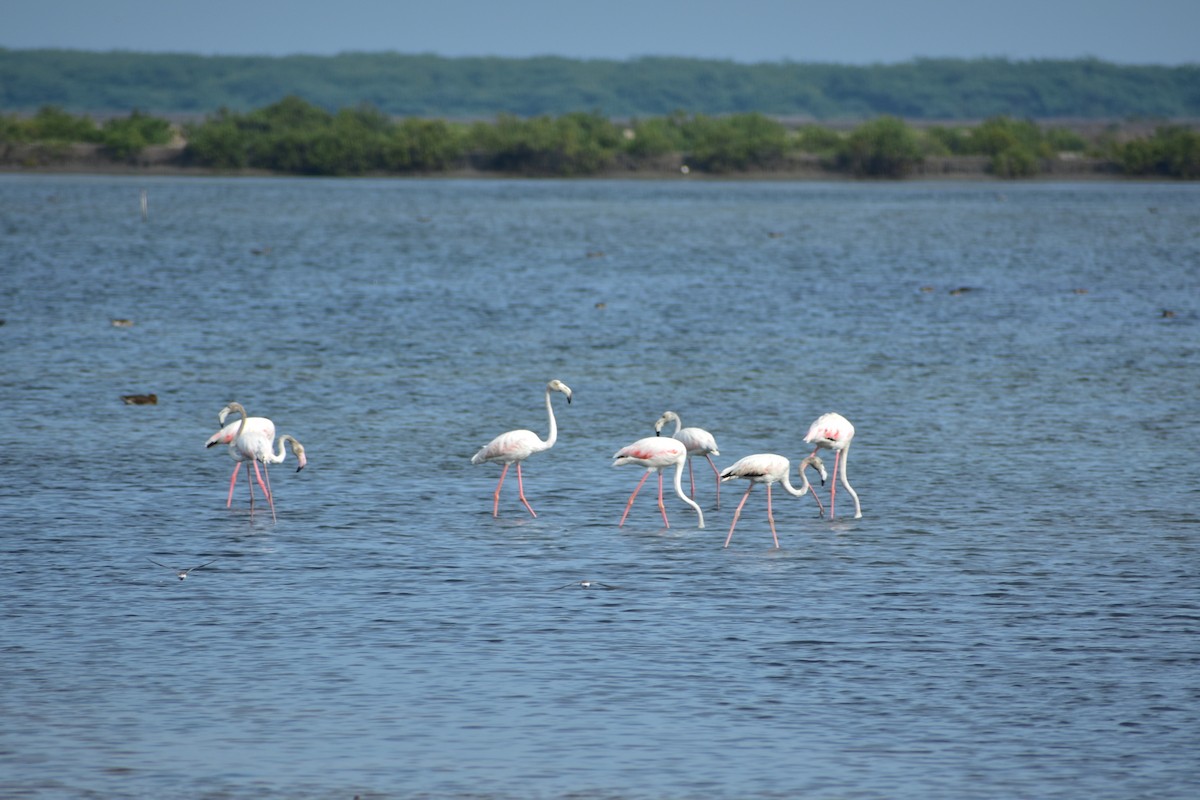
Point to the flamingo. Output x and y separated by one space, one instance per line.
250 439
655 453
254 427
698 442
834 432
263 452
516 446
769 468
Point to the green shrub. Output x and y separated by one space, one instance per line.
1061 140
13 129
653 137
882 148
817 139
124 137
418 145
574 144
219 142
946 141
52 124
1015 161
1173 151
736 142
996 135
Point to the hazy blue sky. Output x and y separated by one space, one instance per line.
845 31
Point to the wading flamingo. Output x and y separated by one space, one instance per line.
769 468
261 447
834 432
698 442
250 439
255 427
656 453
516 446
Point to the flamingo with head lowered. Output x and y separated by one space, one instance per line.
769 468
698 442
514 447
655 454
834 432
252 439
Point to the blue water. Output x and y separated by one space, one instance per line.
1015 614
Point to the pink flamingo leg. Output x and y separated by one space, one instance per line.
771 517
716 472
692 477
250 486
232 484
737 514
629 504
521 490
267 475
263 486
820 508
496 496
258 476
662 507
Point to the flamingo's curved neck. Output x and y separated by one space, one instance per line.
279 455
684 497
792 490
678 425
241 427
846 483
549 441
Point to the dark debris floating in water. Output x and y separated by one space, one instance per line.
140 399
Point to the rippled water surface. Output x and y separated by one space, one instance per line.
1014 615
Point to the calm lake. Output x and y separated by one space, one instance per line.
1015 614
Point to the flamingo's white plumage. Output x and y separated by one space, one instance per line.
770 469
514 447
698 442
253 439
655 454
834 432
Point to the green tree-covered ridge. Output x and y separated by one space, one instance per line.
294 136
473 88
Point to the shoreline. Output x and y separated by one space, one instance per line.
169 161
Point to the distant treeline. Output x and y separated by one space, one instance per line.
294 136
480 88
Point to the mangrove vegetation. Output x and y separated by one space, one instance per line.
295 136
